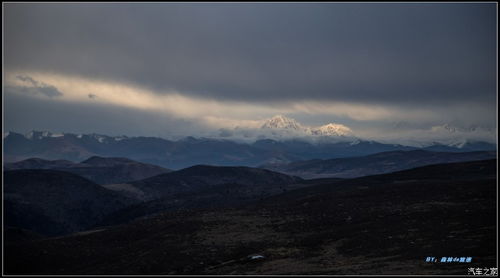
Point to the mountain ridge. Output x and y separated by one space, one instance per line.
191 151
379 163
101 170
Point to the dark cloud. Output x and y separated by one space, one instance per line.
428 64
36 87
28 79
418 53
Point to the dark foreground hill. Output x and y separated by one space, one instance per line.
38 163
201 187
385 224
53 202
201 178
101 170
380 163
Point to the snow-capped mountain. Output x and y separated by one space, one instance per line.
332 129
287 125
282 122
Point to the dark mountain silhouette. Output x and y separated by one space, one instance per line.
201 186
53 202
100 170
202 178
379 163
38 163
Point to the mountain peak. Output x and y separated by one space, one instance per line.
288 125
332 129
281 122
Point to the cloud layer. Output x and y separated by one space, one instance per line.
418 53
207 117
205 66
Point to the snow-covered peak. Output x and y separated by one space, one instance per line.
281 122
332 129
283 127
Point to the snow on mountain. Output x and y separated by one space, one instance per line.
99 138
458 144
38 135
332 129
282 123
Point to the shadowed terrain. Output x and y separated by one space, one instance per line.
101 170
53 202
385 224
380 163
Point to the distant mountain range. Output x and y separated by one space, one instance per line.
100 170
192 151
380 163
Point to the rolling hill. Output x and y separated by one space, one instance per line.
379 163
51 202
383 224
101 170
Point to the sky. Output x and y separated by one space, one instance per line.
385 70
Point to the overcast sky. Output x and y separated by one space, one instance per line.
164 69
